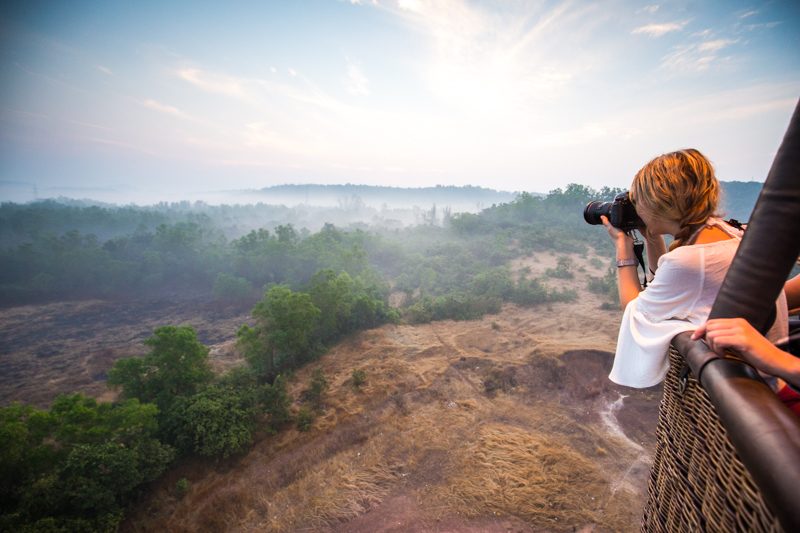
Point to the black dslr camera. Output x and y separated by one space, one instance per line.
621 213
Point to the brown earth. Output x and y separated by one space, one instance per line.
507 423
66 347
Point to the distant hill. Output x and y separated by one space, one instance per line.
466 198
739 198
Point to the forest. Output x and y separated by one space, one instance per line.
80 463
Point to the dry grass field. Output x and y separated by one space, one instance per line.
507 423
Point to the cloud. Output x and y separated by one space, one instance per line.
166 109
652 8
762 26
356 82
211 82
659 30
747 14
89 125
495 64
695 57
410 5
104 70
715 45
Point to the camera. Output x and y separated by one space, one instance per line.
621 213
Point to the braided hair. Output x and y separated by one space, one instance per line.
679 186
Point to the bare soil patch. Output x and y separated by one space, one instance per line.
46 350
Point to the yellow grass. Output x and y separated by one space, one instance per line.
423 427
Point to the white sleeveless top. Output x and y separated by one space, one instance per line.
678 299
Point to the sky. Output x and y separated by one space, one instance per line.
134 100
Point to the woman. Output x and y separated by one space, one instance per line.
674 194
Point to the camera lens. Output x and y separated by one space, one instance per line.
594 210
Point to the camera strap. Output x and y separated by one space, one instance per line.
638 250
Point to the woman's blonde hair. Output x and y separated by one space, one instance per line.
679 186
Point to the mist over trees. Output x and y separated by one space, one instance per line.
185 251
80 463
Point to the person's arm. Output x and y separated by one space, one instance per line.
792 289
627 276
656 247
737 334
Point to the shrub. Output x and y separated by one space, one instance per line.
605 286
562 271
316 390
182 487
453 306
359 378
276 401
529 292
305 417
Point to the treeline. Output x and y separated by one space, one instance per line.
195 257
441 265
78 465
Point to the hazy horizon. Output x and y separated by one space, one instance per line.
148 102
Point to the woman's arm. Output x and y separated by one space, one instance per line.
792 289
656 247
737 334
627 276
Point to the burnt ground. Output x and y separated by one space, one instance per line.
67 347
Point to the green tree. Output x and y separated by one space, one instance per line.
177 365
231 289
333 295
283 336
81 463
215 422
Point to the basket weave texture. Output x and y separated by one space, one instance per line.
697 482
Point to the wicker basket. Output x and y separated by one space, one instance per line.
697 482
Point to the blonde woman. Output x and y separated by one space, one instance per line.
674 194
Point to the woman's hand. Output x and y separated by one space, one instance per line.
621 239
737 334
733 334
627 279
